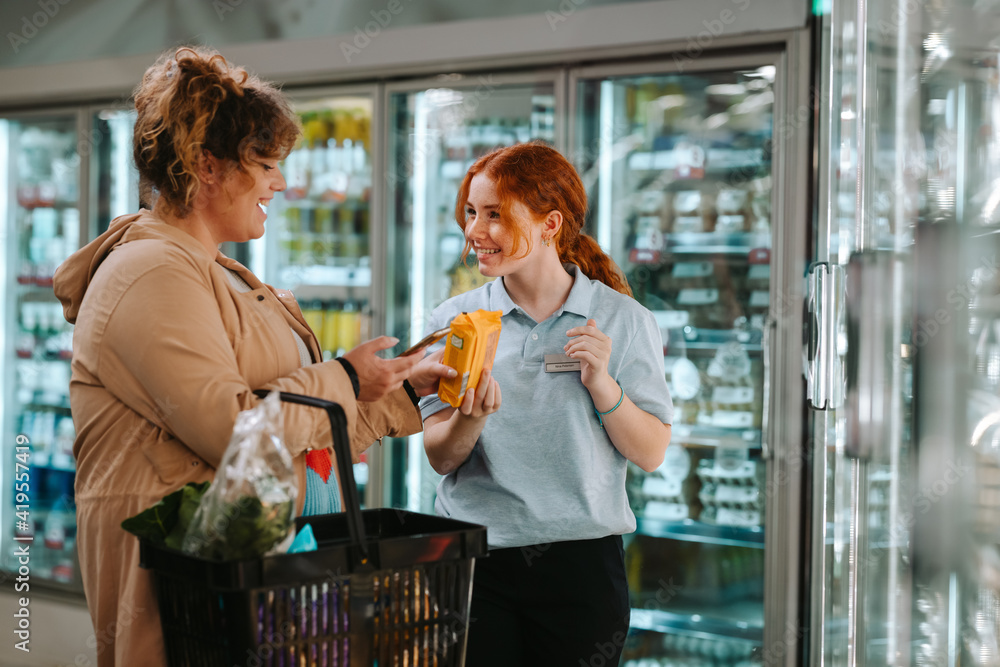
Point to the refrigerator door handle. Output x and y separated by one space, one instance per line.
825 306
765 415
869 335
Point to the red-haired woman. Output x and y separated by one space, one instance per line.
545 471
172 337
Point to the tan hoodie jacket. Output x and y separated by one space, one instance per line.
165 354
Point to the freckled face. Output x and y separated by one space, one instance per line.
492 239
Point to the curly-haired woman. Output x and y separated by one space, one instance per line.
172 337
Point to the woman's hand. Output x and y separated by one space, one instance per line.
450 434
429 372
377 376
592 348
482 401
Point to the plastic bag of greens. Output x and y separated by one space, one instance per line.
247 510
165 524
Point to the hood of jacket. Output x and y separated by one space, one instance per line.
74 275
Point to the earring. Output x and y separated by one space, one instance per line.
546 242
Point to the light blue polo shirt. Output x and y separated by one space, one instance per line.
543 469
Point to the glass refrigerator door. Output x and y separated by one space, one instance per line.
318 238
113 181
40 204
909 559
678 171
436 133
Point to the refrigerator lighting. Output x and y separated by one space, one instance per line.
670 101
937 106
716 121
726 89
754 103
442 97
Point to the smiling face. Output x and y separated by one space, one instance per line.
498 238
239 211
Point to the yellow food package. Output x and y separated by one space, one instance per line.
471 347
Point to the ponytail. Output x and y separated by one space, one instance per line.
586 253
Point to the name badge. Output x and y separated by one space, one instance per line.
560 363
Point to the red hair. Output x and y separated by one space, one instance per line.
539 177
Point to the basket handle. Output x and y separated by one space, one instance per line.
345 469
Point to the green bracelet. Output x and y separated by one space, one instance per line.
600 414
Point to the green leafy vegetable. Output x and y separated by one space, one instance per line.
242 530
247 529
165 523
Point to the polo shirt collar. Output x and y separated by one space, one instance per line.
578 301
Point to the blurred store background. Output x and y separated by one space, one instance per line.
805 195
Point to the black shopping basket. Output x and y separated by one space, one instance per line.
386 587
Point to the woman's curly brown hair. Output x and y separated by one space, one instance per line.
192 100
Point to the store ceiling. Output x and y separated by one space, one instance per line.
42 32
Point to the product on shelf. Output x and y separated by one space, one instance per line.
731 491
757 287
684 380
735 400
339 326
731 206
689 211
670 494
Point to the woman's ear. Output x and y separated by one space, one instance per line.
208 168
553 222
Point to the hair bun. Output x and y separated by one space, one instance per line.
207 74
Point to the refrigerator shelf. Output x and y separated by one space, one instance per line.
715 243
61 407
715 436
58 204
713 338
297 277
690 530
716 160
742 621
314 203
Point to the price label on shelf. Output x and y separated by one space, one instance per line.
697 297
692 270
732 395
732 419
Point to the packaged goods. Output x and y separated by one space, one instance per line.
470 349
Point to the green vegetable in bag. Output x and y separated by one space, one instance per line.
165 523
247 512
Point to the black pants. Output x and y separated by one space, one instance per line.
552 605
